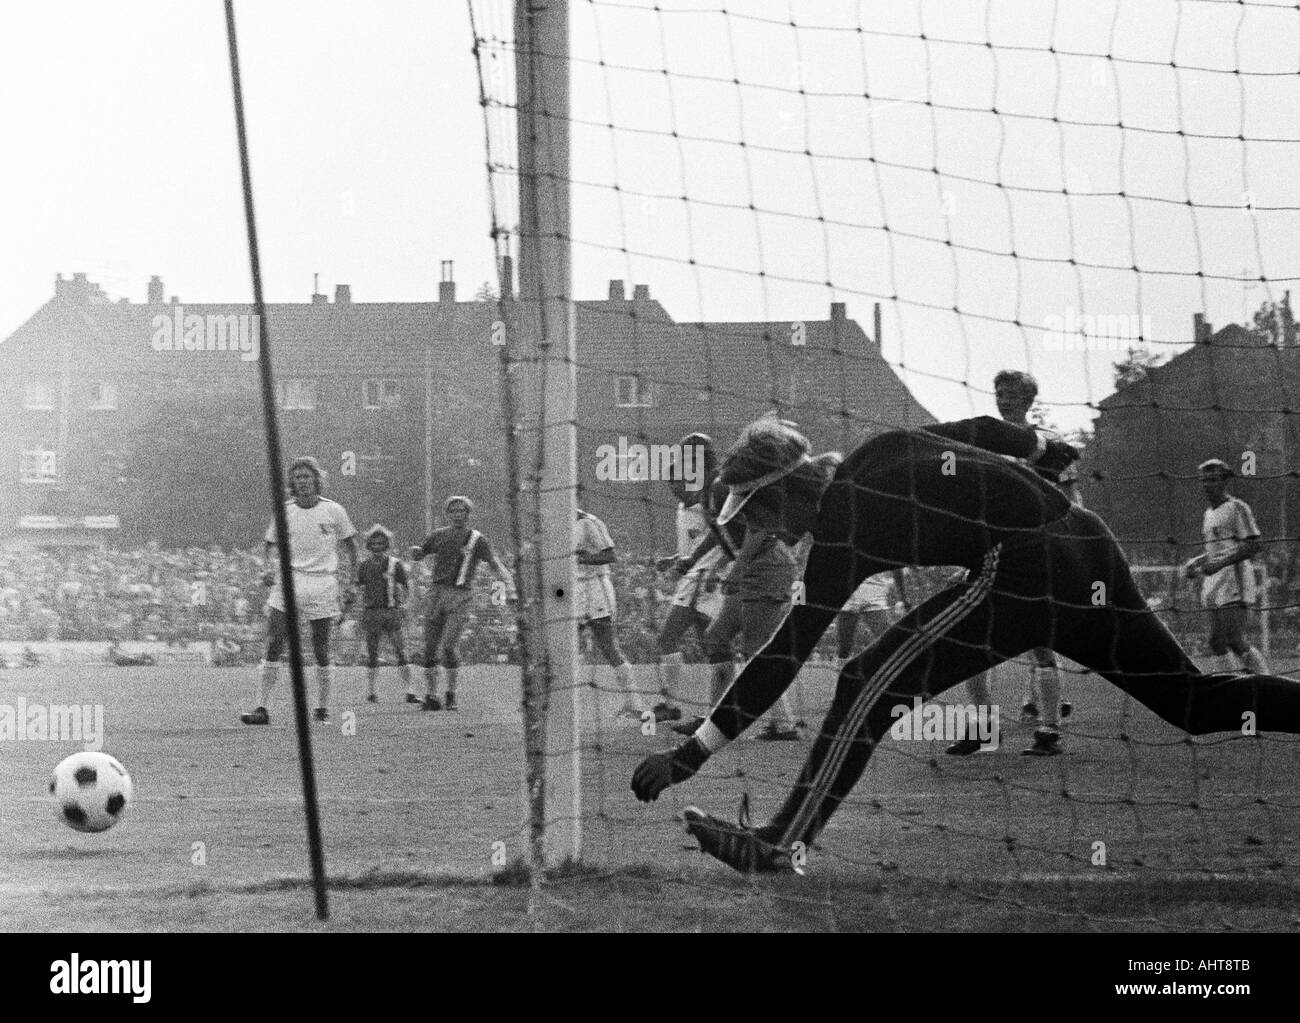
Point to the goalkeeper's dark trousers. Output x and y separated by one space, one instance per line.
1067 587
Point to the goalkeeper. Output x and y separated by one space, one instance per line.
1041 573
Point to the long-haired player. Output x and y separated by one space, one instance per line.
701 563
317 528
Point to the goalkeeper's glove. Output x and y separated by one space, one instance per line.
659 770
1057 458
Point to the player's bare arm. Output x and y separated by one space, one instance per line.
606 556
1245 550
270 563
351 548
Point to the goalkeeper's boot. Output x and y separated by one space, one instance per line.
257 716
737 845
322 715
688 727
964 747
431 702
1047 743
665 711
1029 713
372 698
1067 708
412 698
449 701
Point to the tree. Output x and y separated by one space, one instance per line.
1274 322
1135 367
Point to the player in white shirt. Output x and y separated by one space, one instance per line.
697 598
595 607
317 526
1227 575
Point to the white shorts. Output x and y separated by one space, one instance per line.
317 595
872 595
594 599
700 589
1232 585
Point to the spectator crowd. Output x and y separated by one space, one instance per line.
213 595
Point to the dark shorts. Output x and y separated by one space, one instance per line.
381 621
1227 626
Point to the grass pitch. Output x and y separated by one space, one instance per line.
1137 828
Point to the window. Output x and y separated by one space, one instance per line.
379 393
39 467
38 395
297 394
103 396
631 392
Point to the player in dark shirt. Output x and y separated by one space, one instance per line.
1041 572
384 589
457 551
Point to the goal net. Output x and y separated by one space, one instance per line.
854 216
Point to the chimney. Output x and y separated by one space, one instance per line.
616 291
155 290
342 294
837 312
447 285
508 277
1201 330
79 289
876 323
641 293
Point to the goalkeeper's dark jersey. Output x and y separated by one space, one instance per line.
941 495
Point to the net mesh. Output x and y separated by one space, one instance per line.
853 216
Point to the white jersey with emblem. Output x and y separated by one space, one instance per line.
594 598
1223 529
591 536
691 528
700 589
315 534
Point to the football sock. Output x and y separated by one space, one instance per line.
1254 661
631 698
431 681
451 681
723 674
269 671
404 673
670 675
779 717
323 680
372 676
978 688
1047 680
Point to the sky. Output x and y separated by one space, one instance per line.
937 157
